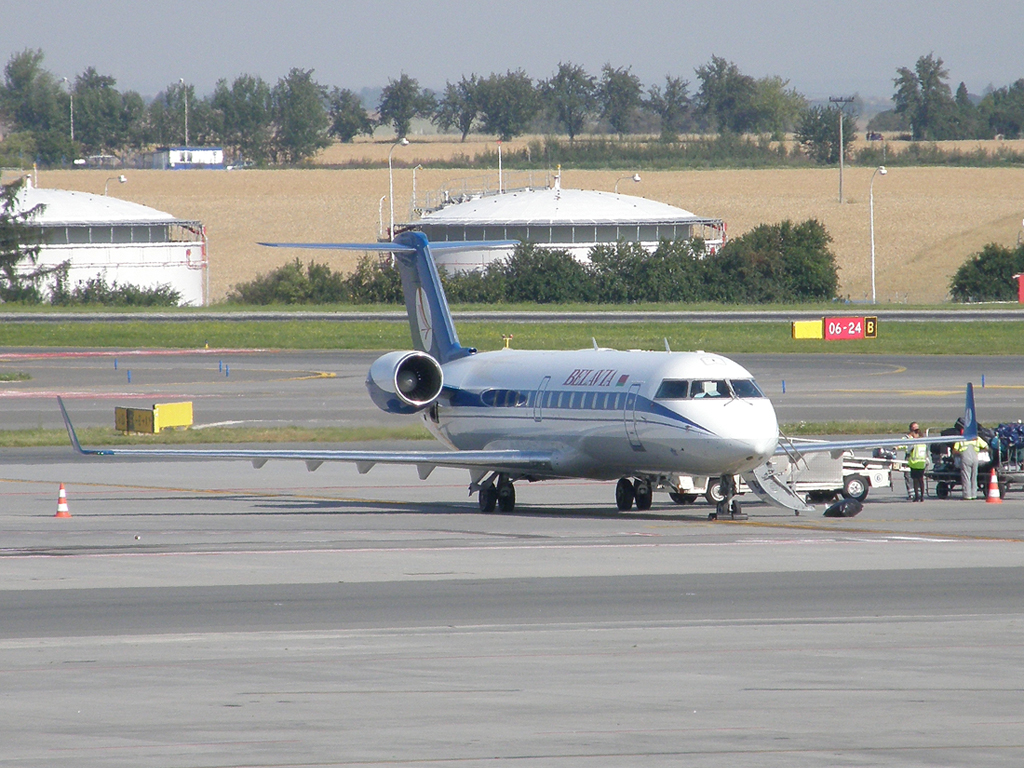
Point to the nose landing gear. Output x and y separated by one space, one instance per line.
728 505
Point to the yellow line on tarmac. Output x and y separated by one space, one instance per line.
903 392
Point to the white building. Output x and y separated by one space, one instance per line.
185 158
574 220
120 241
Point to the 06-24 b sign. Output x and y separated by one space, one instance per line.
838 328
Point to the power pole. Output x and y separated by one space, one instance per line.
842 101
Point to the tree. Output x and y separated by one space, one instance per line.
571 96
776 107
620 95
20 245
775 263
508 103
401 101
818 133
457 107
300 116
924 96
348 115
1003 110
672 105
247 114
31 98
725 99
988 275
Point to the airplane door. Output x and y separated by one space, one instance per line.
538 404
629 417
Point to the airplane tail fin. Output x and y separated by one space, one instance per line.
970 415
430 319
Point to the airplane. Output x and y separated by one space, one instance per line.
507 416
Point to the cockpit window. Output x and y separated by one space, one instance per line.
746 388
672 389
704 388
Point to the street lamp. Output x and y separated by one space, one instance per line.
635 177
121 179
185 91
871 206
380 217
403 142
71 95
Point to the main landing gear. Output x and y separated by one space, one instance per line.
728 505
497 492
629 491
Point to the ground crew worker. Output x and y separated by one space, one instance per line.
917 460
968 452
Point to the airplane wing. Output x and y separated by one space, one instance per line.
837 447
513 461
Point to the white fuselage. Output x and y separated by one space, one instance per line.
607 413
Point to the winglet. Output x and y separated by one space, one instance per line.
970 415
73 437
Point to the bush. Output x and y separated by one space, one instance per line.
988 275
773 263
96 291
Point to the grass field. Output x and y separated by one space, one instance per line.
910 338
927 220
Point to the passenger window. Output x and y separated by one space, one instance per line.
588 401
746 388
672 389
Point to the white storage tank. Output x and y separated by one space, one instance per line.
574 220
120 241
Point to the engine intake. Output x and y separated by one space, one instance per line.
404 382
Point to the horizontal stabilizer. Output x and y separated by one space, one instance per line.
379 247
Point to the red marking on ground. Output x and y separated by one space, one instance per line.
127 353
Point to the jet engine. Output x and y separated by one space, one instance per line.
404 382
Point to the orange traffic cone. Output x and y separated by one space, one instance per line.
62 503
993 490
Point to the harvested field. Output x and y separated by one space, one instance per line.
927 220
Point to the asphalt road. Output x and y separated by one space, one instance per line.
210 614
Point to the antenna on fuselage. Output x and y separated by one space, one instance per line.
594 339
666 345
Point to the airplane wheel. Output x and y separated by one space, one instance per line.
506 497
714 493
644 494
488 498
737 508
624 495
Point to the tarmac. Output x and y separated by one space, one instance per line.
212 614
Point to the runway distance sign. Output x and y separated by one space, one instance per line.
842 328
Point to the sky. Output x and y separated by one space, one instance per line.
823 48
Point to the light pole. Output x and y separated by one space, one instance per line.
635 177
403 142
380 217
871 206
71 96
121 179
185 92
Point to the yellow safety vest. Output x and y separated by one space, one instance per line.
917 456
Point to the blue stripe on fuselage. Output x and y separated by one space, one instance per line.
463 398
